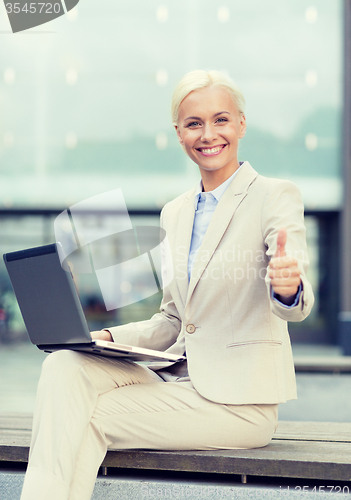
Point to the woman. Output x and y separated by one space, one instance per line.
222 309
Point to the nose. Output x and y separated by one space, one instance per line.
208 133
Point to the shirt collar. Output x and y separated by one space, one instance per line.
218 192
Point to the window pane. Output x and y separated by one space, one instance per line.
85 99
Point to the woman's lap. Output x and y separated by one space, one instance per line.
137 409
174 416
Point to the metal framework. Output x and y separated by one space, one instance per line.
345 223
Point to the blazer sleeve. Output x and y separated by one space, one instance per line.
159 332
283 207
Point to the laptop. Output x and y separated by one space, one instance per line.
52 312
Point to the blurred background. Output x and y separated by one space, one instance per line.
85 108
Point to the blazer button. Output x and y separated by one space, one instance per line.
190 328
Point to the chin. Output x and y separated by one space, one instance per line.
210 169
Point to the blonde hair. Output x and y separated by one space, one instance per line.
200 79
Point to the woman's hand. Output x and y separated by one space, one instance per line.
101 335
284 272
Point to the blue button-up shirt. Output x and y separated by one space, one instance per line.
205 205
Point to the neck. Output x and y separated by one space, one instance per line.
212 179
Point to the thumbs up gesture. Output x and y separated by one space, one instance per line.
283 271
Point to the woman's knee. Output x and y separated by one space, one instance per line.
266 425
63 364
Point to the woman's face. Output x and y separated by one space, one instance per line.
209 127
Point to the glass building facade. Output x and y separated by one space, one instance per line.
85 99
85 106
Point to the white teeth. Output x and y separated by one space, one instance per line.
212 150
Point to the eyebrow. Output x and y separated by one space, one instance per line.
198 118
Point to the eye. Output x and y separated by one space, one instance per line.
192 124
222 120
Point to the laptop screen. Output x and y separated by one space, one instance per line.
47 296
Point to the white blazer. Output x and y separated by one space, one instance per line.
233 332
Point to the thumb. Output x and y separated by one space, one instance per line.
281 242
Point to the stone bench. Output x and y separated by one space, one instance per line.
323 364
307 450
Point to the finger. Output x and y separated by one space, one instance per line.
286 291
280 262
284 273
281 242
278 283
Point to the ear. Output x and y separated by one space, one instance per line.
179 135
242 131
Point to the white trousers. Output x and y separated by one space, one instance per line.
87 403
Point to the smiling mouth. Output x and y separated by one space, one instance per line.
211 151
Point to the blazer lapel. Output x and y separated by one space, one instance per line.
231 199
183 239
